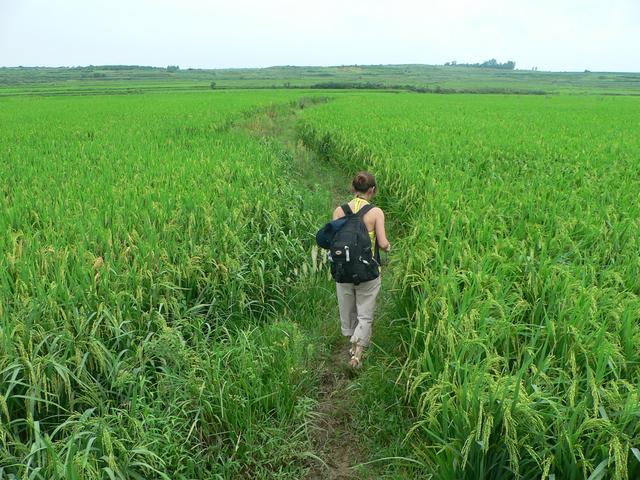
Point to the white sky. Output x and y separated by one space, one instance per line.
551 34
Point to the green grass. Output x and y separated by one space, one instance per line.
162 309
154 291
517 279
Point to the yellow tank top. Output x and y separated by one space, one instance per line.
359 203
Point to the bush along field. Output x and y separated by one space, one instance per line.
153 280
517 277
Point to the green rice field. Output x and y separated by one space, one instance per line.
519 275
165 314
147 283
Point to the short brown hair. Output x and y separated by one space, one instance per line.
363 181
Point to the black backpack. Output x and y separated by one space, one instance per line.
351 253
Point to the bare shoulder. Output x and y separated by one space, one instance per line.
377 211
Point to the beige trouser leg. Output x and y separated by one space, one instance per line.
357 303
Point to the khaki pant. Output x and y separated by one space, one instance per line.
357 303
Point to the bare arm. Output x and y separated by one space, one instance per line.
338 213
381 234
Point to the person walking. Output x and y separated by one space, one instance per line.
356 271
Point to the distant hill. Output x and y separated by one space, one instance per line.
114 79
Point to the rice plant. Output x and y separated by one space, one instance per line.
150 269
517 271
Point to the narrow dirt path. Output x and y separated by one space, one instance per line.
334 439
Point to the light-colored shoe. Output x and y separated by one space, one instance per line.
356 357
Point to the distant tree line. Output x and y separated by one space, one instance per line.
348 85
493 63
417 89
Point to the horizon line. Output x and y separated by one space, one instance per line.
310 66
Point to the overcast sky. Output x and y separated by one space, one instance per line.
551 34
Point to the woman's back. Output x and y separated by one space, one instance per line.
356 300
373 219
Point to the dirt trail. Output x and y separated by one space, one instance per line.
335 442
334 439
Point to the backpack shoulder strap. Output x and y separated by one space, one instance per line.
362 212
346 209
